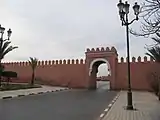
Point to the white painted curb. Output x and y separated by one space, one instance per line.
32 93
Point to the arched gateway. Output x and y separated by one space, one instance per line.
95 57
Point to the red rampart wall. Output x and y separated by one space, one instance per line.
141 70
66 72
73 73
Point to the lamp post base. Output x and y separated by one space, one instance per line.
129 98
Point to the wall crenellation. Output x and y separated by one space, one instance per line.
76 61
74 73
136 60
48 62
102 49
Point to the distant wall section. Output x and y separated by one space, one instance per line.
59 72
141 70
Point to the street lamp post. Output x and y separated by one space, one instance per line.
9 32
123 13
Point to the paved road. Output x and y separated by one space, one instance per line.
65 105
103 85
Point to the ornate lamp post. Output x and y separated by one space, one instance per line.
123 13
9 32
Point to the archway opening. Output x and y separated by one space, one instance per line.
103 81
100 74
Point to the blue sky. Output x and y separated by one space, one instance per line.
62 29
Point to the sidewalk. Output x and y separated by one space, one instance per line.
24 92
147 105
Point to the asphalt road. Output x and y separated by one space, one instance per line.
103 85
65 105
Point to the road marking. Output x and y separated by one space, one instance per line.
32 93
20 95
6 97
106 109
40 92
102 115
109 105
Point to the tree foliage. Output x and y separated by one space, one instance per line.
154 50
154 53
33 63
5 48
153 79
150 14
156 39
9 74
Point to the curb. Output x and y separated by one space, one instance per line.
31 94
21 95
104 113
7 97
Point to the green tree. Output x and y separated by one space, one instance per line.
5 48
33 63
150 18
154 50
156 39
8 75
154 53
2 67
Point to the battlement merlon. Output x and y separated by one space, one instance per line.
102 49
47 62
137 60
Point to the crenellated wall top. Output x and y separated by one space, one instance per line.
102 49
76 61
48 62
136 60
